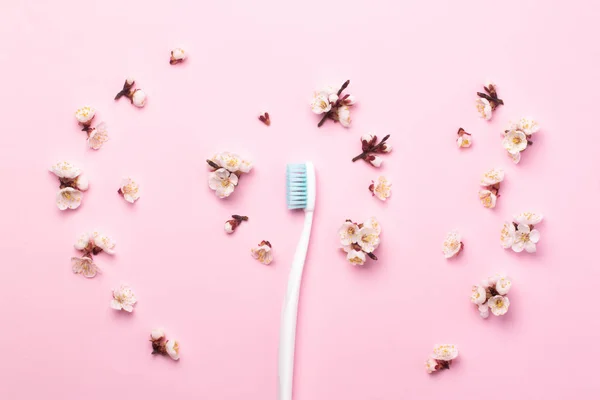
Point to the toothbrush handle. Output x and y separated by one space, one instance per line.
289 313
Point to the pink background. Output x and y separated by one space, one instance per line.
364 333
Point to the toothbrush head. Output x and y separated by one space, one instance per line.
301 186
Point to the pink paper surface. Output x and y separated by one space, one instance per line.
363 333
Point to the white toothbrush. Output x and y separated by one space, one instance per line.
301 194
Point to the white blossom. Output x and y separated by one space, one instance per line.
263 253
84 115
452 244
68 198
487 198
484 108
464 141
528 218
492 177
528 125
514 141
430 365
368 239
348 233
516 157
484 310
123 298
343 116
508 235
229 226
229 161
498 305
356 257
105 242
246 166
98 136
84 266
138 98
372 223
222 182
66 170
525 239
172 347
478 295
445 352
83 241
129 189
320 103
503 285
382 188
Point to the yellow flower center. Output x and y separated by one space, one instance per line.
516 140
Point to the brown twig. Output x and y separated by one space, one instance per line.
372 149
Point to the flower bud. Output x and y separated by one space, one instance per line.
333 98
368 140
177 56
231 225
374 160
138 98
82 182
157 334
350 100
385 148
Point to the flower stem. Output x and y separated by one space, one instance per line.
239 217
372 256
371 149
495 100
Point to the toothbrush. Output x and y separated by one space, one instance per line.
301 194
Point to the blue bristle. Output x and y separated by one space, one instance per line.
296 186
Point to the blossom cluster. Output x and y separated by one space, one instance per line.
334 105
382 188
96 136
136 96
521 234
488 101
72 184
360 240
490 183
452 244
263 252
490 295
90 244
370 147
163 346
518 136
226 171
441 358
464 139
123 298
